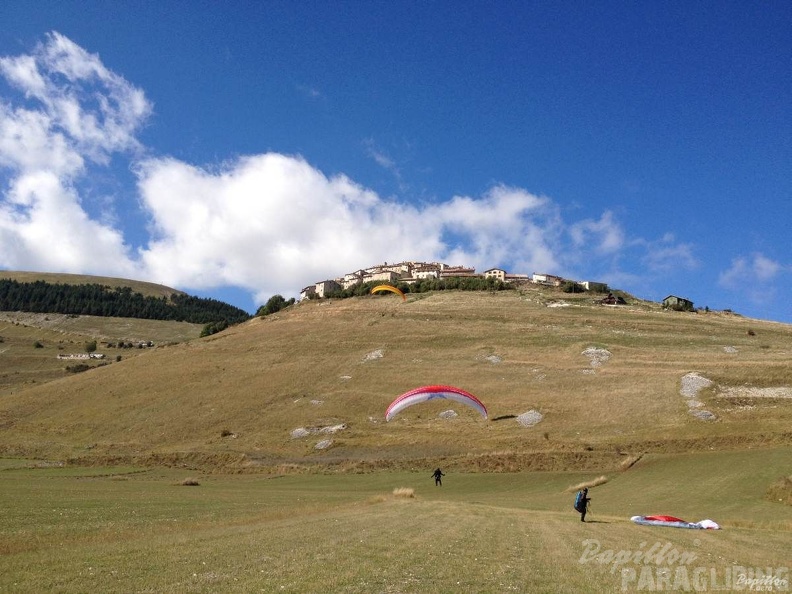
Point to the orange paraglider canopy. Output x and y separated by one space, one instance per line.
389 288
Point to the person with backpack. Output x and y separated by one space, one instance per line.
438 474
581 503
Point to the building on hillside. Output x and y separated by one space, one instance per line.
593 286
458 271
353 278
497 273
512 277
410 272
401 269
385 276
324 288
503 276
677 303
547 279
424 271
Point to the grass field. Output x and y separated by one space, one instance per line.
127 529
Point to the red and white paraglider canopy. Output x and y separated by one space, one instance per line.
425 393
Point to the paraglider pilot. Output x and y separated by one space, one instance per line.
584 504
438 477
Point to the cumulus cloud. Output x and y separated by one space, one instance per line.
74 110
267 223
602 236
42 227
84 105
264 220
506 226
666 254
753 269
754 277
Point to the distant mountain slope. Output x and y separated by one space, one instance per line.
99 296
31 343
144 288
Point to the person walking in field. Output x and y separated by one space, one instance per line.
438 477
581 503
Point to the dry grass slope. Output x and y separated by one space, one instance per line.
264 394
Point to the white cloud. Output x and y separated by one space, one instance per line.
667 254
95 110
42 227
264 220
603 236
755 278
270 222
765 268
505 227
75 110
28 143
380 157
749 271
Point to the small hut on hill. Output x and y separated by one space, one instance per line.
677 303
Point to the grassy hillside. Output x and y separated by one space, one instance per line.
310 385
31 343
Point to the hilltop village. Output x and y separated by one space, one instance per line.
410 272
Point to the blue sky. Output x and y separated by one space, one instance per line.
241 149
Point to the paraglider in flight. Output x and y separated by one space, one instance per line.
425 393
389 288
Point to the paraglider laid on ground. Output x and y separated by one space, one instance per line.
389 288
672 522
426 393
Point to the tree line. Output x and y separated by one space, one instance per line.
117 302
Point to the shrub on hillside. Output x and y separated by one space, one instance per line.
274 304
572 287
214 328
79 368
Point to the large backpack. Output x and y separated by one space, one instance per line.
580 502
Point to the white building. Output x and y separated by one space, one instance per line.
547 279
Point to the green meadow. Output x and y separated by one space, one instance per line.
125 529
